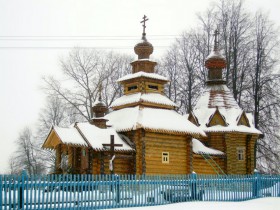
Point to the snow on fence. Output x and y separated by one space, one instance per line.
113 191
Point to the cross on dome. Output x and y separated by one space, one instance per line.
144 23
145 19
216 40
100 91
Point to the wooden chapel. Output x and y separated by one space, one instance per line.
228 127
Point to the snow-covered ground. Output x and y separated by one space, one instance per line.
256 204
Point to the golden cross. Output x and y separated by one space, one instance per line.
144 23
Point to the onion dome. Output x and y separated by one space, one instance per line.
144 48
215 59
215 62
99 108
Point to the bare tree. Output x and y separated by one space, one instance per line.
26 156
264 92
84 70
181 65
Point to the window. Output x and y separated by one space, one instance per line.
240 153
134 87
165 157
153 87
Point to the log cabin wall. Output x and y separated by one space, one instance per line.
58 159
136 138
236 142
216 140
84 160
201 166
123 163
176 146
251 153
96 164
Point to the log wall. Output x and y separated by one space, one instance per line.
178 147
201 166
233 141
123 163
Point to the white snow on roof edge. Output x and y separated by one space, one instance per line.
200 148
142 74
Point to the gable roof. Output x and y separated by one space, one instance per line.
242 117
217 113
87 135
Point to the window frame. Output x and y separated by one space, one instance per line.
165 157
240 153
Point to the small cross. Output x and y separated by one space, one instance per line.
100 91
144 23
216 41
112 146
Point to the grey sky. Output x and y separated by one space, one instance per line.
24 62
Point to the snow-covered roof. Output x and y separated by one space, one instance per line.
219 97
142 74
200 148
160 120
216 96
215 54
70 136
156 98
97 101
144 59
81 134
97 136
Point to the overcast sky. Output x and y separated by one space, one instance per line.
27 53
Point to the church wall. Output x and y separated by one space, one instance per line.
84 160
234 141
216 141
201 166
178 147
96 165
137 137
122 163
251 154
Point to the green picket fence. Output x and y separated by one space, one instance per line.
114 191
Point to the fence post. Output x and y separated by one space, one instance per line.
256 184
21 190
117 188
193 185
1 190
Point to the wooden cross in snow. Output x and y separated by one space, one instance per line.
112 146
144 23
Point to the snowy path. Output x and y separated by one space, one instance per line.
256 204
